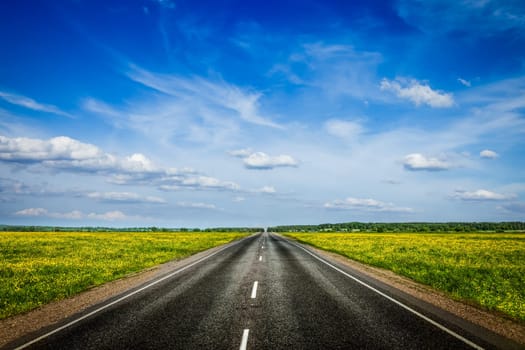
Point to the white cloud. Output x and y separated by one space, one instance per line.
64 153
241 153
73 215
29 103
196 205
369 204
109 216
465 82
344 129
32 212
481 195
417 92
169 188
239 199
261 160
138 163
196 182
58 148
128 197
488 154
266 189
206 182
417 161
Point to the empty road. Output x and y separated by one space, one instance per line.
263 292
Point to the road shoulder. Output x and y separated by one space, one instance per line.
492 321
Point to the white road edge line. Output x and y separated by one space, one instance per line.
244 340
408 308
254 290
56 330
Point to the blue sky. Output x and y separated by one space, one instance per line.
249 113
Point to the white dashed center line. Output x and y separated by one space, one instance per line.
244 340
260 258
254 290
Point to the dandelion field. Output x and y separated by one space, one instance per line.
39 267
486 269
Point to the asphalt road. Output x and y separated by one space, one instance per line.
264 293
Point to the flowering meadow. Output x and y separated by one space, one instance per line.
39 267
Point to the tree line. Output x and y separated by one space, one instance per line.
23 228
405 227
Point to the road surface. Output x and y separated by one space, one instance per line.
263 292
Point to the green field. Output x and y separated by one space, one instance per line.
39 267
487 269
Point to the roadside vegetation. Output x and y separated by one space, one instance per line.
486 269
39 267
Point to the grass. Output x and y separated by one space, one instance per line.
487 269
39 267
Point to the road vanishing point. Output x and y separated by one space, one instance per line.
263 292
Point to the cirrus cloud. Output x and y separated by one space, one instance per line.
201 93
29 103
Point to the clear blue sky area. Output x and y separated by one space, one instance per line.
249 113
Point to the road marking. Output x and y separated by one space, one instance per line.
260 258
123 298
254 289
408 308
244 341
